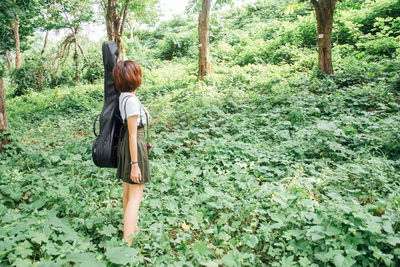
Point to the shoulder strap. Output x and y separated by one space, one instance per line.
147 117
125 105
147 124
128 96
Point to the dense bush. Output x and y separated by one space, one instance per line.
33 75
376 9
176 45
63 73
93 67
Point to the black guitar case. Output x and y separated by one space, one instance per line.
104 148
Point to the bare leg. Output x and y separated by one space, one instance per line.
135 194
125 195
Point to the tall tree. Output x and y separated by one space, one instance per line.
116 13
6 42
204 8
7 11
26 19
49 21
16 37
204 42
3 111
71 15
324 10
19 20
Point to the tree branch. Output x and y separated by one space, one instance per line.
83 54
123 15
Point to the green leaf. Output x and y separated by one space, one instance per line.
252 241
387 226
287 262
228 260
331 230
338 260
210 263
326 125
121 255
304 262
393 240
200 247
317 236
24 249
108 230
39 237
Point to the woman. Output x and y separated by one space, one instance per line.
132 156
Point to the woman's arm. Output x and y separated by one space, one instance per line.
132 131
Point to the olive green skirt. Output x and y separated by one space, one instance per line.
124 157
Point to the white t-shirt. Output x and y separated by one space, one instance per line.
133 107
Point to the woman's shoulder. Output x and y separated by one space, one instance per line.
129 96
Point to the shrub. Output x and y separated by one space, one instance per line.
384 46
344 32
222 52
94 68
33 75
375 9
65 76
271 28
250 53
307 31
176 45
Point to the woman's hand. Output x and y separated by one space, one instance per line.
136 175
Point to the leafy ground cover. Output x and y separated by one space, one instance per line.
254 166
267 163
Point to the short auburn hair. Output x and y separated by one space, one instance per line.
127 75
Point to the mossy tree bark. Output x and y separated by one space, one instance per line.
324 10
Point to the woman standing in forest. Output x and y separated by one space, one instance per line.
132 155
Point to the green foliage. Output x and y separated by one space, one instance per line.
94 68
64 73
245 170
33 75
382 42
2 70
267 162
376 9
176 45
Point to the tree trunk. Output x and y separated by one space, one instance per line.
3 117
324 10
45 42
76 59
17 46
131 28
111 13
3 112
204 44
8 60
115 25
